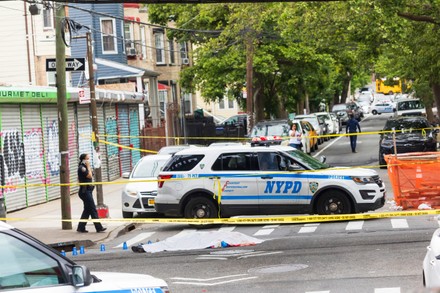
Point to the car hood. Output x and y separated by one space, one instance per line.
120 281
435 242
150 184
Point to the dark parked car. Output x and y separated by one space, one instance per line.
413 134
234 126
340 111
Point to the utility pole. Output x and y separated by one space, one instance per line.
63 123
249 82
95 128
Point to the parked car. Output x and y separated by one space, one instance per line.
413 134
354 108
138 197
233 126
29 265
365 107
382 107
332 125
336 120
431 263
172 149
248 189
341 112
410 107
270 131
318 124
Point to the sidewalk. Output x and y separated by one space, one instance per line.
44 221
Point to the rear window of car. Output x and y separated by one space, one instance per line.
416 123
183 162
281 129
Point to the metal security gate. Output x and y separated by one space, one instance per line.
124 140
134 134
32 134
85 145
73 147
51 149
13 156
102 145
111 130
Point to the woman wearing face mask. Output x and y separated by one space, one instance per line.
86 194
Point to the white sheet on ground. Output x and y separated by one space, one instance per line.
200 240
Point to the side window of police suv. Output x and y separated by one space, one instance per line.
235 162
183 162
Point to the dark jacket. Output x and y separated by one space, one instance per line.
353 125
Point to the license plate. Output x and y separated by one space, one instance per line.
151 201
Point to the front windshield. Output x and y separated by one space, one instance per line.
271 129
410 105
148 168
306 160
339 107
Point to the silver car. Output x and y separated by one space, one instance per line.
138 196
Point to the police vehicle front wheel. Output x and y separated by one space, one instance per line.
199 208
333 202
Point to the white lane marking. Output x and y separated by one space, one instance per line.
354 225
138 238
399 223
270 226
186 231
215 284
308 228
387 290
259 254
227 228
327 146
263 232
206 258
318 292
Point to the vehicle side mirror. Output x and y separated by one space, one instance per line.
126 175
322 159
81 276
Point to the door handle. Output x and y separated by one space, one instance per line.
266 177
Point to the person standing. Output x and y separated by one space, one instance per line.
295 137
352 127
85 175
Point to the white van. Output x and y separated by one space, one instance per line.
410 107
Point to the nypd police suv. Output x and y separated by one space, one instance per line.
244 180
29 265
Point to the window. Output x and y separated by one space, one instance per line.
108 36
26 266
143 43
129 38
187 103
48 17
162 99
231 104
160 50
172 55
221 104
234 162
51 78
183 162
183 50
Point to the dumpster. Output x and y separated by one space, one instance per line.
414 179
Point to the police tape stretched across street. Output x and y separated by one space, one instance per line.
246 180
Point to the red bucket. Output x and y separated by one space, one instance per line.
102 212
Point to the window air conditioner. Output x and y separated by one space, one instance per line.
131 52
185 61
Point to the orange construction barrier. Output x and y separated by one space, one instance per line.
415 179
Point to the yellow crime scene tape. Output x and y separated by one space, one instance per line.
293 219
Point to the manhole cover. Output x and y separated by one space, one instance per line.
231 252
278 269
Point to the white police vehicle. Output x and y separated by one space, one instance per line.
230 181
28 265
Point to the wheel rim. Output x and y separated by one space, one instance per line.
200 211
334 206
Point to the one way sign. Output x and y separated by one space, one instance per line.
72 64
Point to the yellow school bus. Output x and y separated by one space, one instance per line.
388 86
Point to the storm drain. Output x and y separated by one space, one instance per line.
278 269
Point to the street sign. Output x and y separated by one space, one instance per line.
72 64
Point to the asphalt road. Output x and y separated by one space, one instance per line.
381 255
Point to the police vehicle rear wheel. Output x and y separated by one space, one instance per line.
333 202
199 208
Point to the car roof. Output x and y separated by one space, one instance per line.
305 116
4 226
238 149
397 118
277 121
156 157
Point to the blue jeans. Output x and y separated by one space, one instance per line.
295 145
353 139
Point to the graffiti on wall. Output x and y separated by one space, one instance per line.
84 140
72 140
13 158
33 149
110 128
52 147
